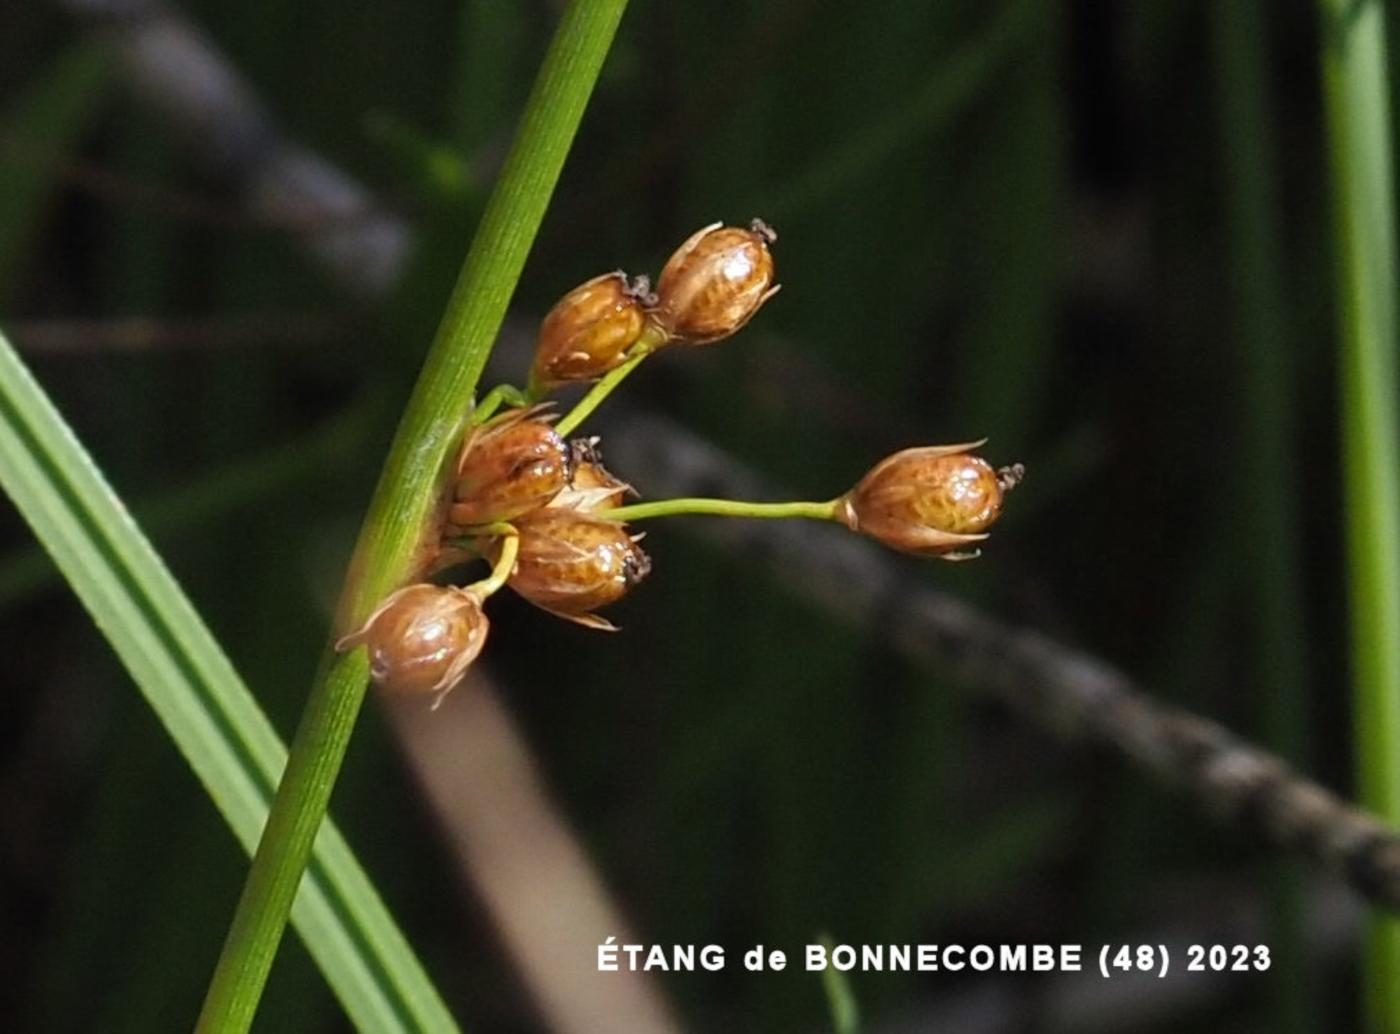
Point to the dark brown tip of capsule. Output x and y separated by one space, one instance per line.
1009 477
584 450
765 231
636 566
639 287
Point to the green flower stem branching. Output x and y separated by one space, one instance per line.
500 395
1356 88
652 338
390 550
596 394
721 508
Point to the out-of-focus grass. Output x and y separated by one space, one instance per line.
1085 126
1270 488
1356 87
204 706
182 510
38 130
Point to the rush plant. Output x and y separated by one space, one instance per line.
550 518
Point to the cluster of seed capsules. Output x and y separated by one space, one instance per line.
552 521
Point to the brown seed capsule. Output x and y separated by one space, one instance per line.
715 282
590 330
591 485
570 564
422 638
933 501
509 466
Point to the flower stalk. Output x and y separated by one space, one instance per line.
391 545
827 511
652 338
1356 86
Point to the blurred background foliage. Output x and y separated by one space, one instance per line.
1057 225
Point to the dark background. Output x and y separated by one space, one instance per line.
1095 232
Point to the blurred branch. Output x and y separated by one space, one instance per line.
1072 694
176 72
1078 1003
163 334
513 845
1068 692
120 189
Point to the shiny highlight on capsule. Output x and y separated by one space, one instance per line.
509 466
422 638
931 501
570 564
590 330
715 282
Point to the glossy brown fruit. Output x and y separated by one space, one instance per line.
509 466
570 564
932 501
422 638
715 282
590 330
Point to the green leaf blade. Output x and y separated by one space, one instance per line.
197 695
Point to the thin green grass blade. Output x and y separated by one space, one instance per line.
43 125
30 570
200 699
1356 87
840 998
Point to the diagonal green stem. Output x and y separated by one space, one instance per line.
721 508
596 395
1356 86
652 339
390 547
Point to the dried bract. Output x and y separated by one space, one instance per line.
592 486
590 330
570 564
932 501
509 466
422 638
715 282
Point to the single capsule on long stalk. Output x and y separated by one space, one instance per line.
422 638
590 330
715 282
507 467
570 564
936 500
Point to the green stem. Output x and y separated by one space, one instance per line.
840 999
652 339
503 568
721 508
501 394
390 547
1355 84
